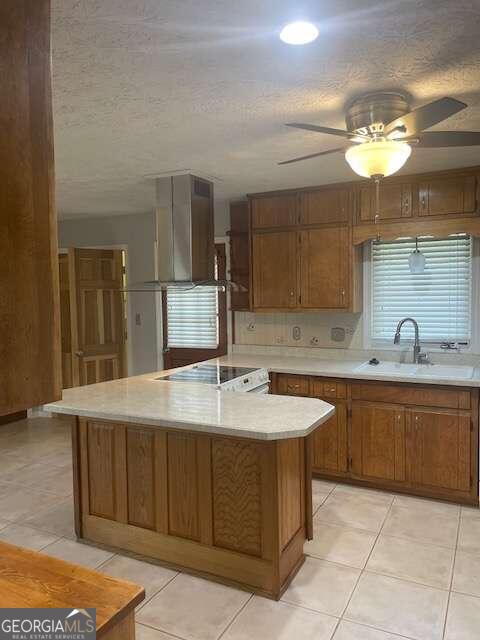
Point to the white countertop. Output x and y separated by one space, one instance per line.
195 407
350 369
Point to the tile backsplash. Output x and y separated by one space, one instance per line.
305 330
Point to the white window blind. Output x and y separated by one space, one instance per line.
439 299
192 317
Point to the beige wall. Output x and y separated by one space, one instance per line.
315 329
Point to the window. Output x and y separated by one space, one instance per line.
193 318
440 299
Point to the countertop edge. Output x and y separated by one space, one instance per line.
188 426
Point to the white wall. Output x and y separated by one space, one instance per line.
137 233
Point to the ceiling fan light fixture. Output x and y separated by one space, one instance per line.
299 32
378 158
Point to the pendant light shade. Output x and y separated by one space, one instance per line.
378 158
416 260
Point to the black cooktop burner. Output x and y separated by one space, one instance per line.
208 374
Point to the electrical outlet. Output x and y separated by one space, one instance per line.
280 340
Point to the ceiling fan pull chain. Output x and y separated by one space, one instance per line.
377 202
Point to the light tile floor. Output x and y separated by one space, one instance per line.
380 567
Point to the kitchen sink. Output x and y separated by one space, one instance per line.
416 370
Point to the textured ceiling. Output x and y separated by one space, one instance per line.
143 87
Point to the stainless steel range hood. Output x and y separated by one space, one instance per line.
185 243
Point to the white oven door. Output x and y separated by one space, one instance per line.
264 388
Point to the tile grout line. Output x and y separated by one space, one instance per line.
172 635
447 609
362 571
148 601
369 626
235 616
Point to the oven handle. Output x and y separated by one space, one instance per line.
264 388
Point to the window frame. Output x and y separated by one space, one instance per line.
173 357
369 342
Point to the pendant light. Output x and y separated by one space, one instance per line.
378 158
416 260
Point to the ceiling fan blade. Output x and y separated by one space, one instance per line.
416 121
448 139
312 155
319 129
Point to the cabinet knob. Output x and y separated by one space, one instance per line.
292 293
79 354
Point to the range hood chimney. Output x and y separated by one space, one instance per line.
185 242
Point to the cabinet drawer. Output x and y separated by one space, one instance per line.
415 395
322 388
293 385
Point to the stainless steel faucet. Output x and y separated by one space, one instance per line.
418 357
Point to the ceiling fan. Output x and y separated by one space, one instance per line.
382 126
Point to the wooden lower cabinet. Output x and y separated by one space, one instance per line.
439 449
234 509
378 442
330 447
411 438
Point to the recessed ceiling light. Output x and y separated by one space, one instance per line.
299 32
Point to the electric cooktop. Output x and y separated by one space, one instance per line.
209 374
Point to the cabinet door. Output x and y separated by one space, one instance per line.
275 211
275 270
395 202
324 268
438 449
378 441
240 255
325 206
444 196
330 442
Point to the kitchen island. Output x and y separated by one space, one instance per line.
214 482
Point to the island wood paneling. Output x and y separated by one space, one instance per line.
101 469
237 496
290 488
30 351
227 507
183 498
141 477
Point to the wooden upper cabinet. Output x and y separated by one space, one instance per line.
325 268
396 202
439 449
240 255
275 270
448 196
30 349
378 441
325 206
274 211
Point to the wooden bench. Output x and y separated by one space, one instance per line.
30 579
